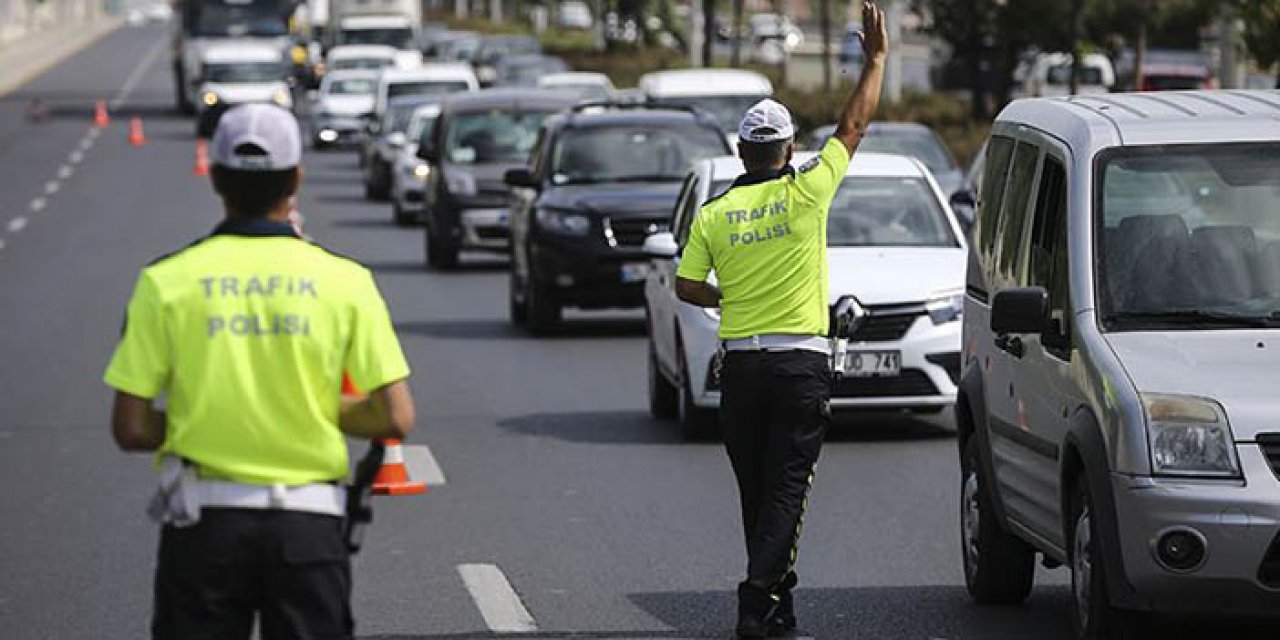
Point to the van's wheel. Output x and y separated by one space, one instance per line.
696 423
664 398
399 215
543 309
441 253
517 308
1092 616
998 566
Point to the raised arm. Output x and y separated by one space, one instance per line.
865 100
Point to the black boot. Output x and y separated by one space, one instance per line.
756 608
782 624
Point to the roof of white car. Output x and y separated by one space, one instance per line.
375 22
427 111
441 71
242 52
704 82
357 51
1093 122
574 78
866 165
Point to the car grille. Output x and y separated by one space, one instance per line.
1269 570
631 232
886 324
912 382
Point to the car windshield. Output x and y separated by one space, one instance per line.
1191 236
223 20
432 88
244 72
493 137
353 87
1061 75
921 145
397 117
728 110
887 212
420 123
397 37
362 63
632 153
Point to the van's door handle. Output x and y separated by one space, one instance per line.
1011 344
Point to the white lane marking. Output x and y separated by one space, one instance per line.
498 602
93 132
422 465
86 144
17 224
51 187
39 204
134 78
76 157
1 245
65 171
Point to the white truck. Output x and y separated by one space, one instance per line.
209 23
394 23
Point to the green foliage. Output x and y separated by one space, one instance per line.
1262 29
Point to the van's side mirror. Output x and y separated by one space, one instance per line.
520 177
1023 310
964 198
660 245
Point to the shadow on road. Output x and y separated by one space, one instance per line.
354 198
400 266
887 426
497 329
595 427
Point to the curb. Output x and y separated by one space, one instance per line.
23 75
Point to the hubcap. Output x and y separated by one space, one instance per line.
1082 567
970 519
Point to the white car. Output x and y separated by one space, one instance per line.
1049 75
339 107
574 14
724 93
232 74
369 57
893 244
396 31
435 79
583 85
409 172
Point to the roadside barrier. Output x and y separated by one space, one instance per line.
136 137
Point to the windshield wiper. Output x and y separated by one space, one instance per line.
1195 317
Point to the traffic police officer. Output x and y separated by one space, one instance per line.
765 238
247 334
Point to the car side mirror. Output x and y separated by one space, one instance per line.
397 139
1023 310
520 177
660 245
964 198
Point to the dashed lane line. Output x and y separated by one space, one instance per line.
422 465
76 157
17 224
51 187
498 602
139 71
39 204
66 170
86 144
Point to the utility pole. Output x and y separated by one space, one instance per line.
735 55
824 6
893 66
780 7
695 34
1077 32
1140 49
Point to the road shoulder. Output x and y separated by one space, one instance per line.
26 59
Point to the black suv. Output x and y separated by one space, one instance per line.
601 179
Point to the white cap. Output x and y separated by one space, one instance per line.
257 137
767 121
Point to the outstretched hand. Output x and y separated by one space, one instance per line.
875 40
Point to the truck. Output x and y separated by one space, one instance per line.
202 24
394 23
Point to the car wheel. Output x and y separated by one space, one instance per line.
664 398
401 217
517 308
542 308
696 423
998 566
1092 616
380 180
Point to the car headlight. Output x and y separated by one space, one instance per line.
563 222
945 306
282 98
461 183
209 98
1189 436
421 170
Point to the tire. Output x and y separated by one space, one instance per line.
664 397
441 253
998 566
399 215
543 309
696 423
1092 616
517 309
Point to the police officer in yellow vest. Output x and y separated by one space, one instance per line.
765 238
246 334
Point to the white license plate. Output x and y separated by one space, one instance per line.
866 364
634 272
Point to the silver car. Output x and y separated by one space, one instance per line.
409 172
340 106
1118 401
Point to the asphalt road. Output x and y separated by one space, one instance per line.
603 521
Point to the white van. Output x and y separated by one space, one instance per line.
1049 75
723 93
440 78
232 74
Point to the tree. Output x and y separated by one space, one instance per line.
1261 24
824 18
735 57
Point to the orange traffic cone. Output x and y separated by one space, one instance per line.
100 119
136 137
393 477
202 169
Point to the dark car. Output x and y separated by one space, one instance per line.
477 138
382 139
600 181
494 48
524 70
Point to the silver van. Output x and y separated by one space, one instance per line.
1119 407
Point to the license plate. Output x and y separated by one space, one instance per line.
634 272
867 364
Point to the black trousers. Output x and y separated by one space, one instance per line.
290 569
775 409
